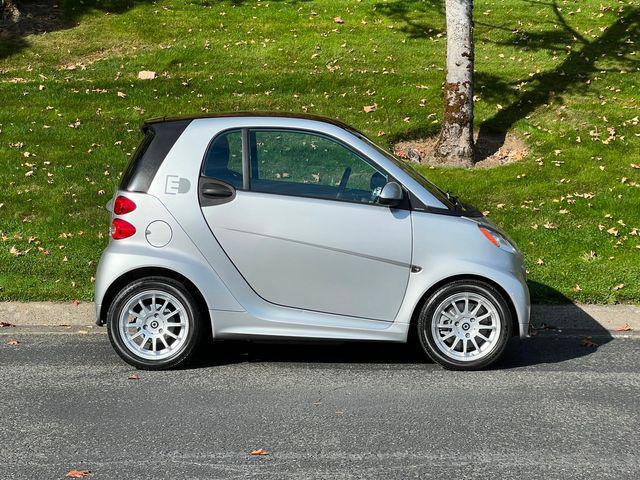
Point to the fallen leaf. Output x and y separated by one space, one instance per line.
146 75
122 94
620 286
133 376
78 473
13 342
587 342
338 20
259 451
6 324
625 328
76 302
370 108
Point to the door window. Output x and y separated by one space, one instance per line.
223 160
310 165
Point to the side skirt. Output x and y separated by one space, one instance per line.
227 324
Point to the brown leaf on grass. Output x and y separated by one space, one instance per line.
620 286
133 376
6 324
625 328
121 94
338 19
370 108
259 452
75 302
587 342
13 342
78 473
146 75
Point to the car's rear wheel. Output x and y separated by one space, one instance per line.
153 323
465 325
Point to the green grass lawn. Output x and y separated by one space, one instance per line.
565 77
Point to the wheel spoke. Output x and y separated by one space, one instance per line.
153 343
172 335
455 342
475 344
464 346
466 303
446 314
449 335
166 345
486 327
482 317
171 314
173 324
486 339
137 334
144 309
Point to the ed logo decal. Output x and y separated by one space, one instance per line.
174 184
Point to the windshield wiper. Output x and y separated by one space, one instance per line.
456 201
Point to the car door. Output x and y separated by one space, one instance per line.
304 229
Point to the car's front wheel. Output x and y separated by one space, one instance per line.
465 325
153 323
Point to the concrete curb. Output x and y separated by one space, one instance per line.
568 317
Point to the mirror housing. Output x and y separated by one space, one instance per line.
391 195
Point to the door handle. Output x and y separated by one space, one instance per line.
216 190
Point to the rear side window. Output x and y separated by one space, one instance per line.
135 159
223 160
159 138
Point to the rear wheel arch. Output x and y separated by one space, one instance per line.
139 273
436 286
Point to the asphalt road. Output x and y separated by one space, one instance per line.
551 409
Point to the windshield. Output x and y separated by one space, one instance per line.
448 200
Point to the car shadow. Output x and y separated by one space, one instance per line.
560 333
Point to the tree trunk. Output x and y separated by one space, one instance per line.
455 145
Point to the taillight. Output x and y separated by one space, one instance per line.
121 229
123 205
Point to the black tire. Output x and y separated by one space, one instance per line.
428 311
193 316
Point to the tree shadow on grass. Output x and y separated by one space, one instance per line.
43 16
614 45
412 14
574 73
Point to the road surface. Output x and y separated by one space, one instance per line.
552 409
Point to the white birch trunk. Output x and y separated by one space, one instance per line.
455 145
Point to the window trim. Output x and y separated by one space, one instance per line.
206 153
248 160
350 148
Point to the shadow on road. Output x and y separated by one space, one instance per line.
551 342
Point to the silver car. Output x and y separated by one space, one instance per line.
298 227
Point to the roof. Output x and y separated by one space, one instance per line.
303 116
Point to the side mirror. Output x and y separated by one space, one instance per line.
391 195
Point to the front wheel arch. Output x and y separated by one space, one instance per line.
436 286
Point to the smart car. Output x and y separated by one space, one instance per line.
273 226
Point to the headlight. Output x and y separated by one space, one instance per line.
497 239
